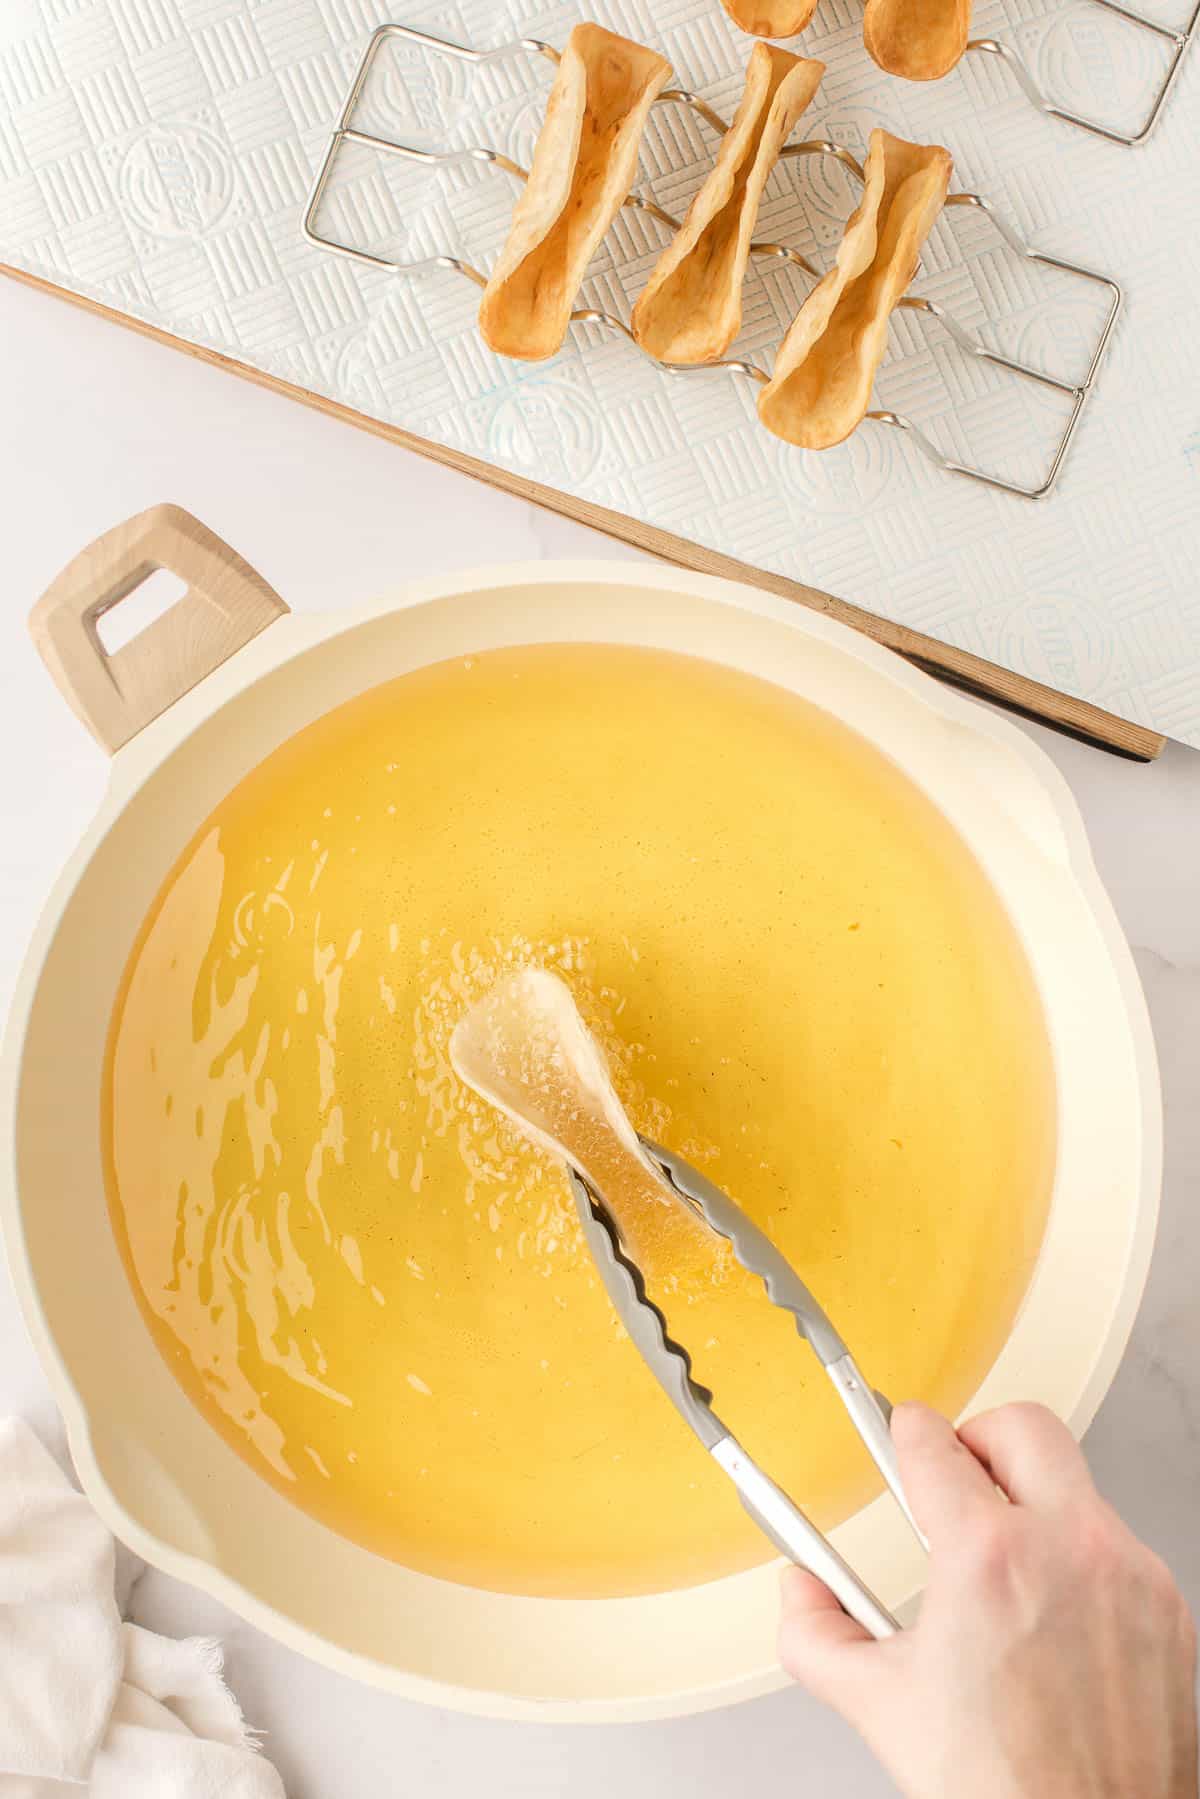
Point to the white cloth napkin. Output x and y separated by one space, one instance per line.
86 1702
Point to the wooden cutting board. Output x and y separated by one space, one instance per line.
1031 699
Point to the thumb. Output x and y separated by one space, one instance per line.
819 1645
944 1483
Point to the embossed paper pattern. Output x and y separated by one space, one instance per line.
156 154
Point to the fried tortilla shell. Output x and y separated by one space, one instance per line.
918 39
691 308
821 385
770 18
583 167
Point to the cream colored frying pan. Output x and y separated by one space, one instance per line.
186 710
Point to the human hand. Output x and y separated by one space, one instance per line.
1054 1657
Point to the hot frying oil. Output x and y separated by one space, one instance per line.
369 1284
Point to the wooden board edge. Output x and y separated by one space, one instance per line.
1019 693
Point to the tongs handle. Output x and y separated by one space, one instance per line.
868 1410
870 1413
794 1536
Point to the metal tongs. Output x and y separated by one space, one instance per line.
770 1507
524 1047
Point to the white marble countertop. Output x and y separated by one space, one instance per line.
100 424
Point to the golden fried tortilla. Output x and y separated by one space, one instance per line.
821 385
918 39
583 167
691 307
770 18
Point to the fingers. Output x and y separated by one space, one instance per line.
1030 1454
944 1483
819 1645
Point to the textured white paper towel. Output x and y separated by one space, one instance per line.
155 154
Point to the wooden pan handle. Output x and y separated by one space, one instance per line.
117 694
